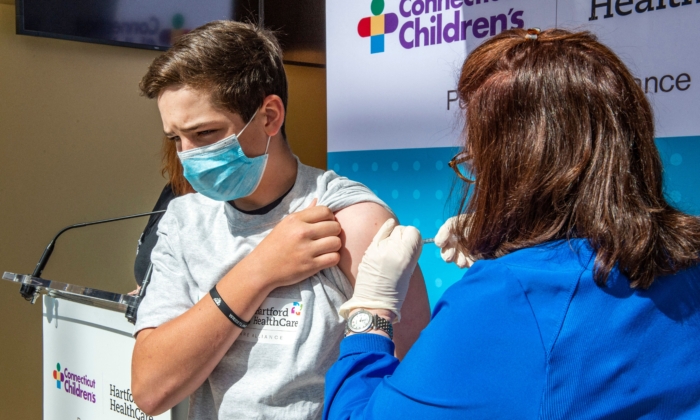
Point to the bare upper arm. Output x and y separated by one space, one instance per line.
359 223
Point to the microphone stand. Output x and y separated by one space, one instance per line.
29 292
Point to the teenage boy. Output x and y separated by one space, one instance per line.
266 240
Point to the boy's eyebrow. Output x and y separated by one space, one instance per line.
195 127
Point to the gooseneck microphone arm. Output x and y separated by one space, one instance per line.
28 292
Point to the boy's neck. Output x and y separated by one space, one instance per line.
279 176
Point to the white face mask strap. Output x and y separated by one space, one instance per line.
251 120
246 126
268 144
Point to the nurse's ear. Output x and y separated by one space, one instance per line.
273 110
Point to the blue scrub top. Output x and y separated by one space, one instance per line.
530 335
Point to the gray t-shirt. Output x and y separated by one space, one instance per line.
276 368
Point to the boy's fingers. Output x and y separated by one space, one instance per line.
324 229
327 260
327 245
316 214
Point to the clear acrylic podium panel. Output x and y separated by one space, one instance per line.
85 295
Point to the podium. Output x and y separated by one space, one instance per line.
87 347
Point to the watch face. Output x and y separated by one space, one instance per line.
360 321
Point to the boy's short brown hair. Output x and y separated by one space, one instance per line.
238 63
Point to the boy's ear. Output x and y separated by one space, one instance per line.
273 109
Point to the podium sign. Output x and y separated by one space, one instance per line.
87 363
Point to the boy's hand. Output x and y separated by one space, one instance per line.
301 245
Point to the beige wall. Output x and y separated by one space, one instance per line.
78 143
306 117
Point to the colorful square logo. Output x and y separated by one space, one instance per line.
375 27
58 375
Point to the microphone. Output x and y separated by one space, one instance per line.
132 309
29 292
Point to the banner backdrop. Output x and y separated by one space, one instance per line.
394 119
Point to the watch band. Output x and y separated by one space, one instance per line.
377 323
383 324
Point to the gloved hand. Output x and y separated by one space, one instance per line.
447 241
385 270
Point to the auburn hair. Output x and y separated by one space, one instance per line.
171 168
562 143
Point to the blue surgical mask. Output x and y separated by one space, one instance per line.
221 171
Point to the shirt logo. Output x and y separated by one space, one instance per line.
277 321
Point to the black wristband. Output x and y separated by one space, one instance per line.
218 301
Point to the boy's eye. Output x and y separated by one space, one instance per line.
206 132
174 138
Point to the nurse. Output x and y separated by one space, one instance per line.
584 301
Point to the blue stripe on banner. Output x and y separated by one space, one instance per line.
681 160
416 184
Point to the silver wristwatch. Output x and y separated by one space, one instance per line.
363 321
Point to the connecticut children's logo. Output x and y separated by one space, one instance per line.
375 27
296 308
426 23
58 375
75 384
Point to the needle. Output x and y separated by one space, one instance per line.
429 241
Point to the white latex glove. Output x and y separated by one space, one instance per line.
385 270
447 241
